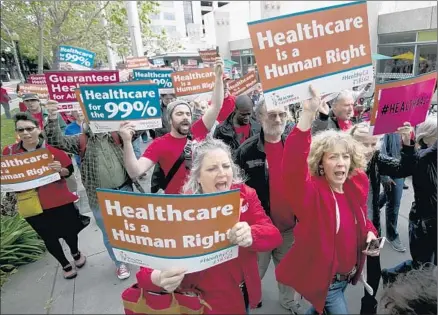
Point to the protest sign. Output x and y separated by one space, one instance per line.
159 77
62 85
158 62
243 85
407 103
77 58
105 106
208 56
39 89
36 79
27 170
137 62
397 83
327 47
165 231
193 62
193 82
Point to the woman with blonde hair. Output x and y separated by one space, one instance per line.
328 196
234 286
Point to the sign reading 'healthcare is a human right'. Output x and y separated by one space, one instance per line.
328 48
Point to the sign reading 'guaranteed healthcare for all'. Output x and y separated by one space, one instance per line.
167 231
105 106
328 48
162 78
77 56
62 85
27 170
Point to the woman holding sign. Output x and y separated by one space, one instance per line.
55 215
233 286
328 195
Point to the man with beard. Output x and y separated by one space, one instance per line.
239 126
339 117
260 157
176 145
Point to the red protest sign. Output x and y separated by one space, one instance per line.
408 103
36 79
62 85
243 85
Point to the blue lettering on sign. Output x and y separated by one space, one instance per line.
118 102
160 77
76 55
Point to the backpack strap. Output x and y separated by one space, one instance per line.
177 163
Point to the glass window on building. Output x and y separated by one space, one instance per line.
427 56
167 4
154 16
188 13
395 38
402 62
168 16
170 29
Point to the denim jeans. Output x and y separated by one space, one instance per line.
97 213
392 198
335 302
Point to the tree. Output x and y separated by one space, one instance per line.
161 43
44 25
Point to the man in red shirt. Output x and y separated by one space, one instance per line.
167 149
4 100
33 104
239 126
260 157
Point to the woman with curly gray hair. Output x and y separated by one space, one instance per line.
234 286
328 192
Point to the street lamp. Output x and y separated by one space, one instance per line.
16 38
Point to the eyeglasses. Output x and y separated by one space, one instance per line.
28 129
273 116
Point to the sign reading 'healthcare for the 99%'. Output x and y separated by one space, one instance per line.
106 106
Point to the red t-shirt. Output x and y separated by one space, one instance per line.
281 213
4 97
39 117
22 107
346 241
228 106
55 194
345 124
167 149
243 132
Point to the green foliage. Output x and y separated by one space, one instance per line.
71 22
20 245
7 130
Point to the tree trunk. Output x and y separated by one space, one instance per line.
55 51
41 49
17 61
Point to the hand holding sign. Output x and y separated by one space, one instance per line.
405 133
126 131
314 103
240 234
169 280
218 67
56 166
52 109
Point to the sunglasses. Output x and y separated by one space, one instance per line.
273 116
28 129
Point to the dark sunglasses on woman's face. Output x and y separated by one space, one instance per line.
28 129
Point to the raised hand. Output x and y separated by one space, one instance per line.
52 109
126 131
218 67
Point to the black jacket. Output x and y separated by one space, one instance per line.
325 122
251 158
226 132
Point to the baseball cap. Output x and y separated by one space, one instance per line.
30 96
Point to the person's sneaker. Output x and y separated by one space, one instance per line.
123 272
405 186
259 305
397 245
